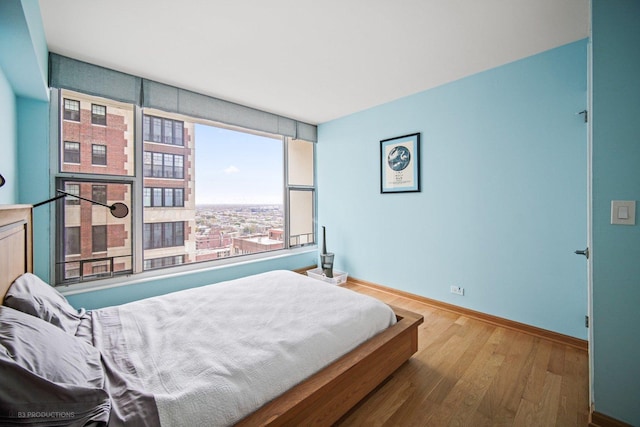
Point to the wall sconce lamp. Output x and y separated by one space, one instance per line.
118 210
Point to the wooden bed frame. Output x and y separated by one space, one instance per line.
322 399
15 244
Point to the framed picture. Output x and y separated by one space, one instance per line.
400 164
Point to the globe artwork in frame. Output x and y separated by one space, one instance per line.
400 164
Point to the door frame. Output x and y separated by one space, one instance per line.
592 250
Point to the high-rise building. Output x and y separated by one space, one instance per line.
169 190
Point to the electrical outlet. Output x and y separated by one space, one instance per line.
457 290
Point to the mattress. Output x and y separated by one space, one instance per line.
214 354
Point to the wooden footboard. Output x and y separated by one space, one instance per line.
326 396
15 244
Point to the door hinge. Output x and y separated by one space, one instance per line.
586 321
586 115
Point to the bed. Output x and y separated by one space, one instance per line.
131 379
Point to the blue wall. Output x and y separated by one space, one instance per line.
616 176
503 202
33 177
23 48
8 142
23 75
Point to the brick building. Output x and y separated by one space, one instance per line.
97 138
257 243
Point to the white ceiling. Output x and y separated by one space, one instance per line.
309 60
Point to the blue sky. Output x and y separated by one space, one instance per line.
235 167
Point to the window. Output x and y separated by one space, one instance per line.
72 240
157 165
72 189
146 197
164 130
178 129
165 197
168 197
108 239
99 238
72 110
167 131
98 114
89 238
301 191
301 205
161 165
98 154
147 164
163 235
207 191
167 168
99 193
98 269
167 261
157 197
71 152
178 167
178 197
72 270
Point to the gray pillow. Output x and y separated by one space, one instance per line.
48 376
29 294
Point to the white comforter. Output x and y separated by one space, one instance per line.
212 355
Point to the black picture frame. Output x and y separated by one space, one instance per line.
400 164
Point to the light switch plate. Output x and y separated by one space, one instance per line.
623 212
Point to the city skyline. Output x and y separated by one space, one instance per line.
237 168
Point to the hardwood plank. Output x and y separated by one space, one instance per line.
574 407
556 360
520 380
547 408
472 373
535 384
502 399
525 416
470 389
541 412
455 367
425 380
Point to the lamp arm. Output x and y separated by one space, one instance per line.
48 201
63 194
118 209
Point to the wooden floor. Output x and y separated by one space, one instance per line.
470 373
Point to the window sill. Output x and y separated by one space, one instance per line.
179 271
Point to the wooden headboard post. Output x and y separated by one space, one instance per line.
16 244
